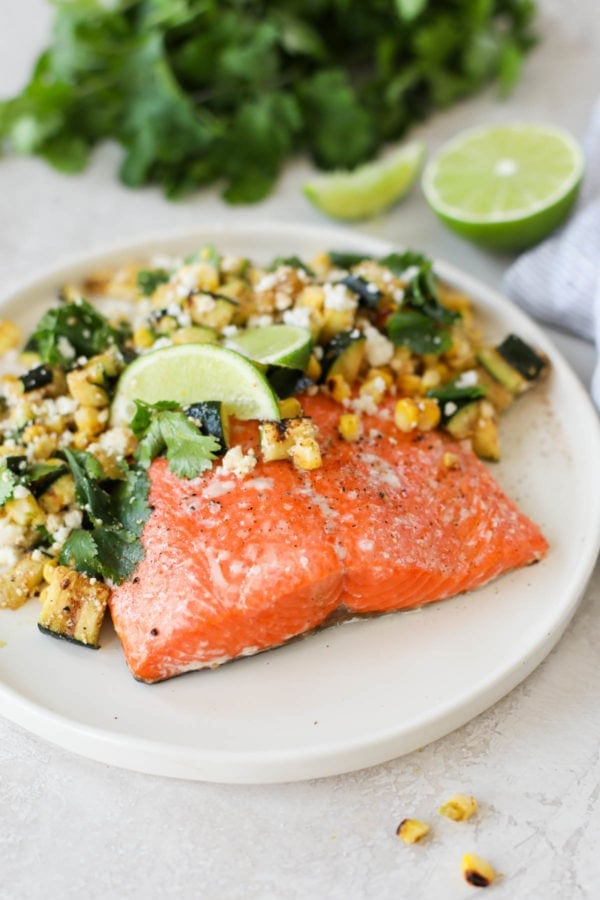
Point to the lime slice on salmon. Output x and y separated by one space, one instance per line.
280 345
369 189
190 373
505 186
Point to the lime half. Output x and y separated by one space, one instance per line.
505 186
281 345
369 189
191 373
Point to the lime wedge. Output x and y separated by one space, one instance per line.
369 189
281 345
190 373
505 186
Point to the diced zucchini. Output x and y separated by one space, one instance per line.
286 382
368 294
461 423
477 422
195 334
497 366
522 357
212 310
73 607
343 355
334 321
37 377
210 416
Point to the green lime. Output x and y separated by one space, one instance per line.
281 345
190 373
368 189
505 186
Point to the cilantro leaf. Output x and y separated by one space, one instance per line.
71 330
412 329
108 545
149 279
164 428
8 482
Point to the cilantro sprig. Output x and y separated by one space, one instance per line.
244 86
114 512
164 428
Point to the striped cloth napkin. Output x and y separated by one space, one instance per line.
558 281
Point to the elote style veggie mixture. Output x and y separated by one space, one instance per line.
381 337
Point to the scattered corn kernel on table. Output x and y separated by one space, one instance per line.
70 825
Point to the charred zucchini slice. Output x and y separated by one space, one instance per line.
522 357
73 607
36 378
343 355
513 363
497 366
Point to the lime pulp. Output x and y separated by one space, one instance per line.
278 344
505 186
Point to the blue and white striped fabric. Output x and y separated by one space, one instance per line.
558 281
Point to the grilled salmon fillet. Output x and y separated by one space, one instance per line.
235 566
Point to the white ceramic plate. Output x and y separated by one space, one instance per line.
356 694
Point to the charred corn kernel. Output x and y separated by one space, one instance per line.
409 385
375 387
22 581
59 495
10 336
477 871
334 321
29 359
350 427
429 414
380 372
24 511
306 455
338 387
90 421
406 414
312 296
207 275
86 391
313 369
143 338
290 408
412 830
450 460
431 378
41 442
11 388
459 807
402 362
294 439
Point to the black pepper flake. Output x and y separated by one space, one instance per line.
154 632
135 579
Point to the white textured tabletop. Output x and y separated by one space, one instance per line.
72 827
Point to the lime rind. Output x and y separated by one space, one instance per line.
369 189
278 344
497 216
189 373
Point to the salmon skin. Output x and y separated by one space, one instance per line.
236 566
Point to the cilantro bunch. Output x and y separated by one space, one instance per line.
198 91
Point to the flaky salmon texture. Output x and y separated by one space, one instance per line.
236 566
